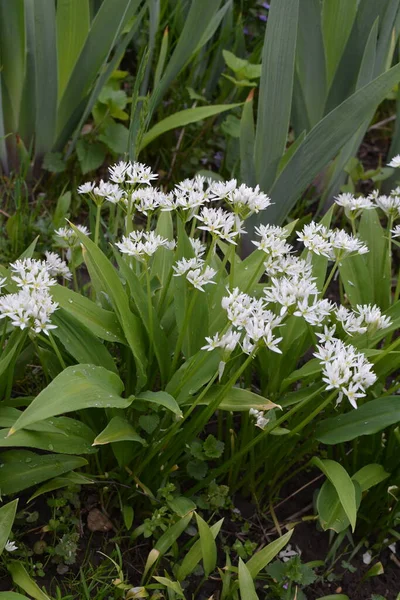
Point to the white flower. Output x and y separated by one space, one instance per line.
115 195
86 188
367 557
354 206
396 231
345 369
104 188
182 266
364 318
56 266
333 244
389 204
220 223
261 421
68 236
198 248
118 171
395 162
199 277
3 281
288 553
138 173
10 546
29 308
247 200
142 244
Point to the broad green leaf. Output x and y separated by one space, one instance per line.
22 469
355 277
334 597
172 534
337 21
193 374
370 475
330 509
208 546
79 341
343 485
193 557
263 557
68 479
324 141
377 260
184 117
102 323
161 58
247 140
7 516
246 585
165 542
91 154
163 258
12 596
172 585
161 399
73 21
139 297
237 399
68 437
75 388
24 581
181 505
276 86
118 430
101 269
115 136
371 417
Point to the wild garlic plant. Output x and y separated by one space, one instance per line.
176 329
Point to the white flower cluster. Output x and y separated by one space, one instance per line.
142 244
353 205
258 415
364 318
197 272
221 224
33 306
334 244
65 237
345 369
243 200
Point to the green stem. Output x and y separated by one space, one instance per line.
242 452
181 336
57 351
255 276
232 271
315 412
150 311
97 228
331 274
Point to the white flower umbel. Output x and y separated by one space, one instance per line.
353 206
142 244
32 274
220 223
390 204
147 200
345 369
201 277
68 236
86 188
118 171
365 317
395 162
334 244
56 266
139 174
258 415
246 200
272 240
29 309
